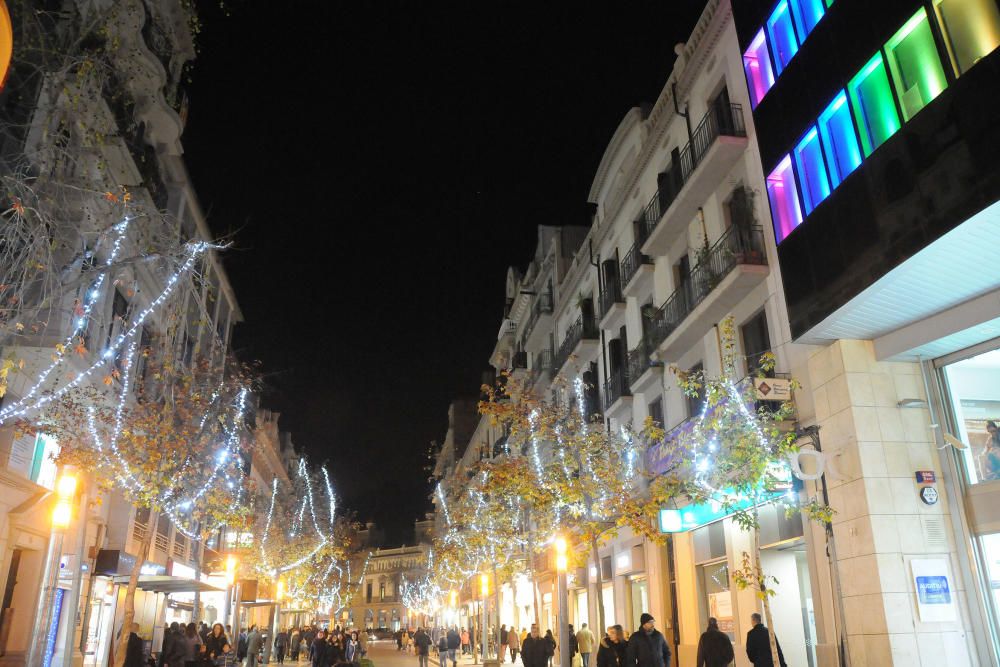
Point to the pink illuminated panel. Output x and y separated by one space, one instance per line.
757 65
784 199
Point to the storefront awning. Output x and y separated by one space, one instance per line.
166 584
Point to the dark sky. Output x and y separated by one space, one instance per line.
382 164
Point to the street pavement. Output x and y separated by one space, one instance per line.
384 654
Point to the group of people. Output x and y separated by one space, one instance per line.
192 645
647 647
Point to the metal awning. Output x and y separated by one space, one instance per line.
154 583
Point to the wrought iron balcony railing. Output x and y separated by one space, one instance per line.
543 305
585 328
632 262
639 360
616 387
739 245
611 293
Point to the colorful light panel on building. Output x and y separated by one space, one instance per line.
757 66
812 170
915 66
781 33
874 108
807 14
840 143
784 199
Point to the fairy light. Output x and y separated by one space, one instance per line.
444 504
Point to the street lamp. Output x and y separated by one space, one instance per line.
561 564
62 516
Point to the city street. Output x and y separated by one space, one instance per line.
384 654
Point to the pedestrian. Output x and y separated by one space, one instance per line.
573 650
514 642
229 633
585 643
611 652
191 645
465 641
550 646
254 642
293 644
422 646
454 644
363 643
134 651
534 649
503 643
280 644
647 647
241 645
320 651
714 647
759 644
215 643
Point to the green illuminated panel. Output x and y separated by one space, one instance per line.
915 66
873 106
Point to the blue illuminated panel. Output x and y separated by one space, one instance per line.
812 171
782 36
840 143
807 14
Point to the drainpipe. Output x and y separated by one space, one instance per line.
684 114
604 351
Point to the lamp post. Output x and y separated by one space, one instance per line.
45 613
484 584
561 562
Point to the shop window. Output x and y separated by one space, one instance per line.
915 66
784 199
971 30
840 143
974 387
716 598
582 608
639 594
807 14
812 170
782 36
757 66
873 106
608 598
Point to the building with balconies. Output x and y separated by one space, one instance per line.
118 132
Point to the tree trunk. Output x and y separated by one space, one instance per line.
600 588
196 557
762 586
496 599
531 564
133 582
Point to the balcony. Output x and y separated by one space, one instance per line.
541 370
732 267
502 351
612 305
581 341
715 147
618 396
643 373
539 322
636 272
519 364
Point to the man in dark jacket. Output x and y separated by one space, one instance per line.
759 645
647 647
422 642
454 643
134 654
714 647
534 651
321 651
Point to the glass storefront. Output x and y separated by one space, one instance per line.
608 593
639 598
582 610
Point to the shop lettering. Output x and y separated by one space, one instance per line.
821 464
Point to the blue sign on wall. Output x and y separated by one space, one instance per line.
50 639
933 590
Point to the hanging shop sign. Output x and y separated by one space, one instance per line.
773 389
933 586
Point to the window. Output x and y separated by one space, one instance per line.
656 411
807 14
874 109
694 402
639 594
915 66
782 36
381 591
368 592
43 464
840 143
784 199
971 29
812 170
974 388
756 341
757 66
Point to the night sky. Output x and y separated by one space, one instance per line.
381 164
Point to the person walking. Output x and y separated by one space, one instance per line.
585 644
611 652
293 644
573 650
714 647
647 647
363 643
514 643
422 645
454 645
190 645
534 649
134 652
320 652
280 645
759 644
215 643
503 644
254 642
465 641
550 646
